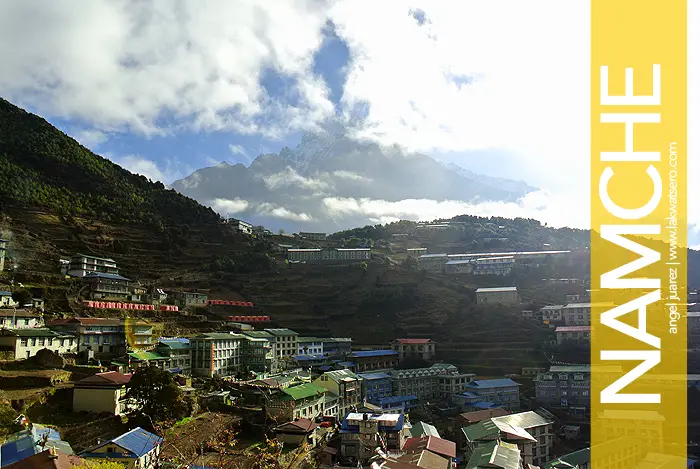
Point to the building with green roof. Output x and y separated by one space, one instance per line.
495 455
302 401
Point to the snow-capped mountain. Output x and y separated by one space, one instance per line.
330 181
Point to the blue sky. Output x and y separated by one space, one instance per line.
165 90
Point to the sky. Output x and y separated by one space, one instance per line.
166 87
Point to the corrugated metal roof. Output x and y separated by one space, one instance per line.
525 420
372 353
304 391
495 454
138 441
496 289
105 275
23 444
492 383
373 376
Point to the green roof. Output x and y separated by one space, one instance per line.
495 455
304 391
424 429
144 356
481 431
175 344
218 336
584 455
339 375
524 420
308 339
281 332
258 334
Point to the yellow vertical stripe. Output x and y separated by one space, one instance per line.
639 226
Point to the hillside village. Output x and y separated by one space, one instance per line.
141 329
133 371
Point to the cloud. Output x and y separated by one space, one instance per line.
229 206
351 176
237 150
272 210
289 177
90 138
555 210
124 65
149 168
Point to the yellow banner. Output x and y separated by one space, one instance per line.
639 232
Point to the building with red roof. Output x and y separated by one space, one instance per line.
102 393
414 348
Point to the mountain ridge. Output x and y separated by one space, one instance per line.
332 165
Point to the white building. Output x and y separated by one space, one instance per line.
241 226
497 295
502 265
19 319
216 353
285 343
25 343
310 346
82 264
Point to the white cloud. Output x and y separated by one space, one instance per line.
555 210
229 206
149 168
351 176
272 210
90 138
289 177
237 150
116 63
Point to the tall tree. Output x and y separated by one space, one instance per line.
158 395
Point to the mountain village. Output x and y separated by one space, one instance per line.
243 388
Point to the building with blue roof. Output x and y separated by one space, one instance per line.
374 360
137 446
397 404
375 385
29 442
502 392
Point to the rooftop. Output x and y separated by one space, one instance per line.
496 289
424 429
38 332
218 336
431 443
94 257
413 341
495 455
304 391
109 378
341 375
372 353
105 276
19 313
479 415
280 332
303 425
525 420
396 399
23 444
492 383
374 376
138 442
573 329
44 460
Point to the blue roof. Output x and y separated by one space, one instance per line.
325 368
23 444
105 275
485 405
469 394
5 293
348 364
137 441
492 383
373 353
301 358
396 399
373 376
